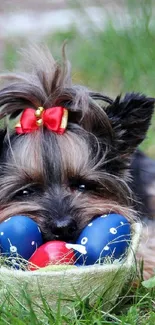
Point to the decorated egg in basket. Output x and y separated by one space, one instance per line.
20 236
53 252
108 235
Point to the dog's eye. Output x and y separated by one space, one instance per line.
82 186
24 193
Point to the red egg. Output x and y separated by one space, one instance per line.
52 252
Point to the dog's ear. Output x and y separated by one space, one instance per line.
130 119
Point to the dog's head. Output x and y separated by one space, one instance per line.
65 180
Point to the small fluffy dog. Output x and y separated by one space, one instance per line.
66 151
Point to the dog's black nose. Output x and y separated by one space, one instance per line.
64 229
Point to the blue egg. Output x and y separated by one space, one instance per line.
20 236
106 236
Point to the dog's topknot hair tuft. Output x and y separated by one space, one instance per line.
117 125
48 83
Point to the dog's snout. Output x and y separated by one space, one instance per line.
64 229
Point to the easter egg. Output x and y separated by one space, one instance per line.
106 236
52 252
20 236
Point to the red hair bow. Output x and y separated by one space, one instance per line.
54 118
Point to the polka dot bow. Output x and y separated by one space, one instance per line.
55 119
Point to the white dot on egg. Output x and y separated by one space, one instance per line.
13 249
113 231
122 223
90 224
84 240
106 248
7 219
39 229
104 216
80 248
33 243
2 233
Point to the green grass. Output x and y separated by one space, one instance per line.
115 61
135 306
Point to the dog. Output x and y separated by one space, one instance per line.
66 152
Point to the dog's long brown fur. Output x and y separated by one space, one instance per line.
64 181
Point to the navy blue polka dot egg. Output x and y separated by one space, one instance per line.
20 236
108 235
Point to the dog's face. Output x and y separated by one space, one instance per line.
64 181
